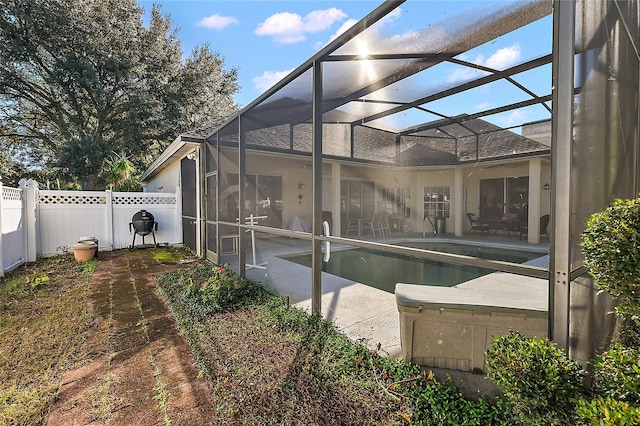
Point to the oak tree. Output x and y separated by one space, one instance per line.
81 79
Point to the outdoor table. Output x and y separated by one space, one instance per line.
505 224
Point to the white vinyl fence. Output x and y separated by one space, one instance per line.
13 235
46 222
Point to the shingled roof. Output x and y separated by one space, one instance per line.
448 142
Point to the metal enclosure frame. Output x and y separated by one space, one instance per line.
565 263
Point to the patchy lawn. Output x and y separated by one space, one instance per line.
254 359
43 314
274 364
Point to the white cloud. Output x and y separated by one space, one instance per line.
483 105
516 116
499 60
289 28
373 36
320 20
291 38
392 16
216 22
404 38
344 27
461 73
268 79
280 23
504 58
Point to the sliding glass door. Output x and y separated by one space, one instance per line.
502 196
263 197
356 201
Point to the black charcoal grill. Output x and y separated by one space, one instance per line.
143 223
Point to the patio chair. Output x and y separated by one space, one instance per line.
352 225
544 224
367 224
477 224
376 225
385 223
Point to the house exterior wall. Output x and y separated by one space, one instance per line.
473 176
165 181
297 185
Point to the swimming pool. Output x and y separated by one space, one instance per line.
383 270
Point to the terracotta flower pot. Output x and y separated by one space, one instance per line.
84 251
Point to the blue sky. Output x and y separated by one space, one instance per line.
266 39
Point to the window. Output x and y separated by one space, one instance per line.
437 201
263 195
504 196
397 201
356 198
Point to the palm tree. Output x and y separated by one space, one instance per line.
120 173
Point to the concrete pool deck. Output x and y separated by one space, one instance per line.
370 315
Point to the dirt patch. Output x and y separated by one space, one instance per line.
138 367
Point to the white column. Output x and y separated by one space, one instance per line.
458 202
336 177
535 191
109 221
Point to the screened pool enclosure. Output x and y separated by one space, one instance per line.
423 115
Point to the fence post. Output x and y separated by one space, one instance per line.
1 256
109 219
30 191
179 214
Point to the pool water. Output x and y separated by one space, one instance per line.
383 270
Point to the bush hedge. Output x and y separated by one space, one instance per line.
537 377
611 248
541 382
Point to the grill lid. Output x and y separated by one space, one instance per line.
143 222
143 215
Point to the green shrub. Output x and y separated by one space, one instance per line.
630 334
440 403
617 374
602 411
537 377
225 290
611 248
206 289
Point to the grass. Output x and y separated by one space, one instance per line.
102 398
274 364
267 363
173 255
161 395
43 312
